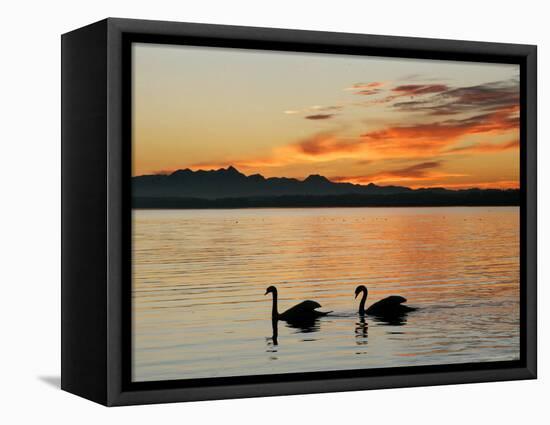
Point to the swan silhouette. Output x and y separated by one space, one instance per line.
301 315
389 306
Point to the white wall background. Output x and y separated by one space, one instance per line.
30 212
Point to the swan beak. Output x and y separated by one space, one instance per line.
265 293
357 293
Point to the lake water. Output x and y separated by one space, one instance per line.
199 279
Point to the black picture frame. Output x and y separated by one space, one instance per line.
96 220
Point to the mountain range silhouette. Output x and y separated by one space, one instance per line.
231 183
228 187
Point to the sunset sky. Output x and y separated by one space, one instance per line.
416 123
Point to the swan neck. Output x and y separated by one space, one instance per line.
362 304
274 311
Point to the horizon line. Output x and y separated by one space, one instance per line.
229 167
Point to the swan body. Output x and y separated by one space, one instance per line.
389 306
306 311
305 308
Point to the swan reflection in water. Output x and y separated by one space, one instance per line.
299 327
398 319
302 327
361 331
273 342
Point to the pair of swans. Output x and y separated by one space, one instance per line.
307 311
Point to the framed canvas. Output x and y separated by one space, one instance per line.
253 212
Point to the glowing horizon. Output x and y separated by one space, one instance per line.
406 122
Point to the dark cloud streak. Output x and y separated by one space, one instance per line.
419 171
414 171
485 147
491 96
319 117
418 89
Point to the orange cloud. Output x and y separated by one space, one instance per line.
494 122
410 141
324 144
361 86
244 163
320 147
416 139
367 89
434 137
498 184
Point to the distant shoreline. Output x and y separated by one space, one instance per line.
455 199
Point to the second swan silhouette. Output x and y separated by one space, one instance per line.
302 314
389 306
